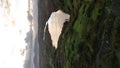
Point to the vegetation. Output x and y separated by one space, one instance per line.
92 37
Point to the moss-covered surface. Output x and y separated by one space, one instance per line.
91 39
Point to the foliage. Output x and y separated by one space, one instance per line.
92 37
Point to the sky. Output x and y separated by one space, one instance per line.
14 27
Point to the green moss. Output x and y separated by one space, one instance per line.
95 13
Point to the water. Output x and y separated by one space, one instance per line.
18 34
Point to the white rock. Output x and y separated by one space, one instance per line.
55 25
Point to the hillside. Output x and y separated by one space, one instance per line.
90 40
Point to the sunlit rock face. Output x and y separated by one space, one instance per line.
55 25
14 27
